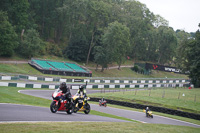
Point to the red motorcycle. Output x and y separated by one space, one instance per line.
59 103
102 103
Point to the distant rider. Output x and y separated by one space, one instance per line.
102 100
147 109
65 91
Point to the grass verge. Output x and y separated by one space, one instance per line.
93 127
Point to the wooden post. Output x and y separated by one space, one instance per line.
135 91
163 94
150 92
179 95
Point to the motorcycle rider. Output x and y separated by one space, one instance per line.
82 91
147 109
102 100
65 91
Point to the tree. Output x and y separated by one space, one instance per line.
97 18
77 50
17 13
31 44
183 39
166 44
192 59
117 39
140 21
160 21
8 37
102 57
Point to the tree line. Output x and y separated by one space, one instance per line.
102 31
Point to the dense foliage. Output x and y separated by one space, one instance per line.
102 31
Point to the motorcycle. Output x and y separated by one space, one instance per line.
104 103
81 104
59 103
149 113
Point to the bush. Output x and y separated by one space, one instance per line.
138 69
53 49
135 68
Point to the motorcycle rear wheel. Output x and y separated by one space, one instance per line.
71 110
53 107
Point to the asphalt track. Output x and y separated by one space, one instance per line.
26 113
31 113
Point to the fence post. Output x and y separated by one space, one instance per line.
150 92
179 95
163 94
135 91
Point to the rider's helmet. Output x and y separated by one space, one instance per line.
147 108
81 87
63 85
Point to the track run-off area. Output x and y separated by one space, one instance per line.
27 113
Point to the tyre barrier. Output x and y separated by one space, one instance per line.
153 108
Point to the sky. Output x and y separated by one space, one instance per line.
181 14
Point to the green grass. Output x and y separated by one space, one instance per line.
26 69
124 72
170 99
127 72
93 127
11 95
111 116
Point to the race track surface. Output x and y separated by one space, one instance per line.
31 113
17 113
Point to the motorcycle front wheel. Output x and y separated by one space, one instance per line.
87 109
53 107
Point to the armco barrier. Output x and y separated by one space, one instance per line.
107 81
89 86
153 108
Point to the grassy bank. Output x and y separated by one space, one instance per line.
26 69
174 98
93 127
